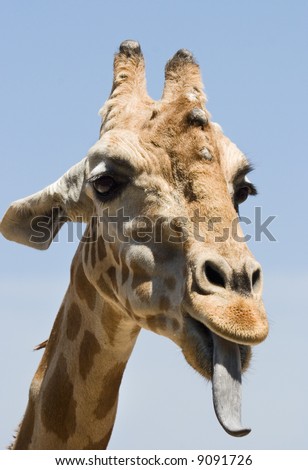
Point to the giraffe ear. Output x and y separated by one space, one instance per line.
35 220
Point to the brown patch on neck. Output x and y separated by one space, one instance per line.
88 349
164 303
113 277
135 332
73 321
105 288
110 389
170 282
101 249
86 252
140 275
111 319
93 255
157 322
84 288
115 253
175 324
59 405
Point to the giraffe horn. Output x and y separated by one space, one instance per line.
183 77
227 386
129 70
129 83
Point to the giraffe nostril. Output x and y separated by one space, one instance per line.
256 279
214 275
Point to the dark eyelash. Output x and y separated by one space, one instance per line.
97 177
252 189
119 178
242 172
239 179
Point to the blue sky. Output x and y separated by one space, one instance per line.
56 72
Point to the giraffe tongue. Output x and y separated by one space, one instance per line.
227 386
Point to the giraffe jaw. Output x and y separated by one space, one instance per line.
222 362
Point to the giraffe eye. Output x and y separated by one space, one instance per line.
104 185
108 186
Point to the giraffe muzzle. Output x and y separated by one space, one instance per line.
228 299
224 316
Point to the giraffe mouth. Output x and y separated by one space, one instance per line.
221 361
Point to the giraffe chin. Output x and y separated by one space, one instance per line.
222 362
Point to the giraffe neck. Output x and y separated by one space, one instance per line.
74 394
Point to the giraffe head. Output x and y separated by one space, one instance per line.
160 192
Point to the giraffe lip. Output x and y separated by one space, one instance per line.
206 336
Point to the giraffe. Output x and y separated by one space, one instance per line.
159 192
